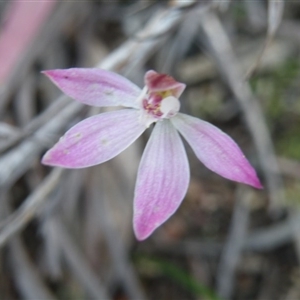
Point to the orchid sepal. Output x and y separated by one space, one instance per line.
95 140
216 150
95 87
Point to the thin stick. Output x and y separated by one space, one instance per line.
78 264
19 219
232 251
26 276
17 161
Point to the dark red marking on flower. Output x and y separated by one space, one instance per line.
158 79
152 104
156 82
159 82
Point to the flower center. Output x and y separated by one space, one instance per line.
158 105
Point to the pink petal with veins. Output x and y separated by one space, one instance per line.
216 150
157 82
96 87
162 180
96 140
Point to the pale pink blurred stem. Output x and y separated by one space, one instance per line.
19 27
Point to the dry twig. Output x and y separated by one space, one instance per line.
232 250
19 219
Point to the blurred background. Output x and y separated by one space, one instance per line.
67 234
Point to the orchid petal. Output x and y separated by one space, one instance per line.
96 139
162 180
216 150
157 82
96 87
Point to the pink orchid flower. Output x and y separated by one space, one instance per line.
163 175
